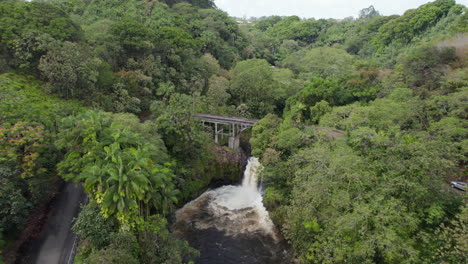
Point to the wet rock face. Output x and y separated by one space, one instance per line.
225 167
231 225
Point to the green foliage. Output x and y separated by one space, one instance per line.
320 89
357 38
373 216
292 28
336 32
30 47
449 128
121 250
26 29
112 256
385 172
364 139
27 154
188 143
263 134
148 43
461 22
288 85
404 28
338 201
27 165
217 94
179 131
133 36
110 9
320 62
425 66
14 204
381 114
20 17
199 3
21 144
160 246
318 110
452 239
70 70
253 85
17 91
92 226
375 194
267 23
1 245
364 86
329 90
116 167
149 242
123 102
290 140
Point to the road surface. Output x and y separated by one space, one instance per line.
56 242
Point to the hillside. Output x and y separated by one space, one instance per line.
102 93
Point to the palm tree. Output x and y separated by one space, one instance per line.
115 167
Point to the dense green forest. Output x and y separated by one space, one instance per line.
102 92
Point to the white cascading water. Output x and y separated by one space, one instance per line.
231 209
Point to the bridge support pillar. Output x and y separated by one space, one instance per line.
236 126
234 142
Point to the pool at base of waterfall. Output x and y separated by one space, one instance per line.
230 225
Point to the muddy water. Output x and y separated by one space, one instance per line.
231 225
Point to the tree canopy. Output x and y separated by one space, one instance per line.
362 124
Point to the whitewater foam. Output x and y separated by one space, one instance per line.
232 209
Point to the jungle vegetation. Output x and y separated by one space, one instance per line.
102 92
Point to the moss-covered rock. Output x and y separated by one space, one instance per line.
223 166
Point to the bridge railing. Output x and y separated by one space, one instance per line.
236 125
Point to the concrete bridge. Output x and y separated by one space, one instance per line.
227 126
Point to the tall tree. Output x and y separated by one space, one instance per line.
115 166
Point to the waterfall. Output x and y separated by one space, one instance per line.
230 225
251 173
232 209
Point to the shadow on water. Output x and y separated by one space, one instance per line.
217 247
56 241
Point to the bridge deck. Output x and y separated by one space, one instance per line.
226 119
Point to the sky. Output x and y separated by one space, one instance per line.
316 8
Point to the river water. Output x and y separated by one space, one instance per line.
230 225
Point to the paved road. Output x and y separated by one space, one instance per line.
56 242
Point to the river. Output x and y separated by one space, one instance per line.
230 225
